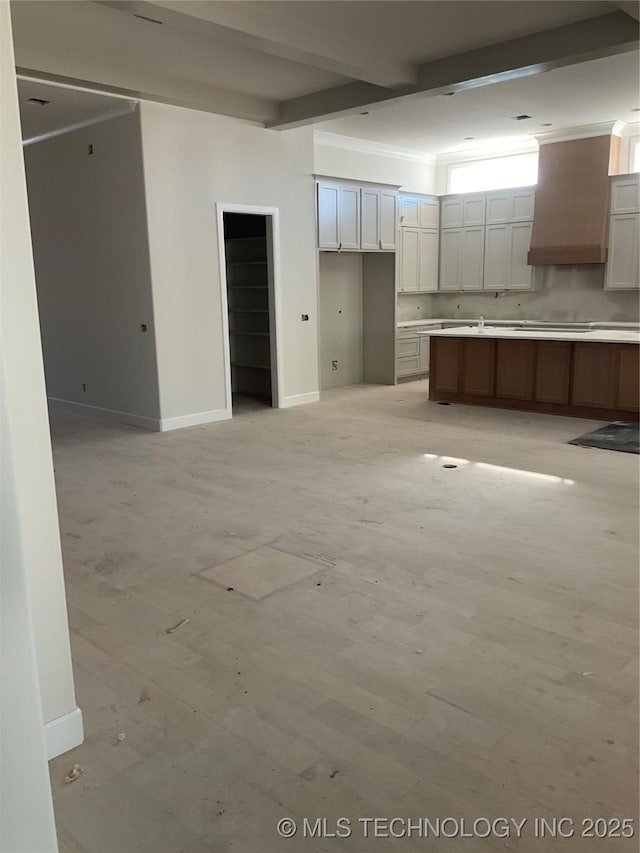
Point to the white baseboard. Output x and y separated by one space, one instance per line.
196 419
299 399
104 414
63 733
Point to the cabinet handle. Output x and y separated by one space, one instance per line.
339 247
379 244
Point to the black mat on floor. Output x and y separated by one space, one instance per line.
616 436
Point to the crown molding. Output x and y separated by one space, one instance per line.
585 131
367 146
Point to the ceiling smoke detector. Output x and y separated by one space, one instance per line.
41 102
521 117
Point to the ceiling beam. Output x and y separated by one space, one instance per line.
206 98
257 27
630 7
570 44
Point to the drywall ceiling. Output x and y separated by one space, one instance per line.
601 90
64 108
290 63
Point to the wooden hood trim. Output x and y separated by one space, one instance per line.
571 216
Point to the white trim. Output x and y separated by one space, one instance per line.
300 399
129 107
63 733
88 411
367 146
275 317
181 421
489 151
603 128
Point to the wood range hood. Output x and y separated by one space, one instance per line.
571 216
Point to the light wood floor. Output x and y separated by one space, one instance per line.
401 639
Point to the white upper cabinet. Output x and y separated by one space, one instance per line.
328 216
356 218
624 250
409 260
419 211
388 219
370 221
505 257
461 258
521 274
349 220
462 211
428 260
451 213
474 210
625 194
510 206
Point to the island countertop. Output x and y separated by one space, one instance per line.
597 336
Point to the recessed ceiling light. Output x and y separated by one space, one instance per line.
448 94
521 117
635 109
365 113
468 138
41 102
546 124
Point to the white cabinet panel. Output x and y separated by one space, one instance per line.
349 219
450 259
429 213
625 195
370 222
474 210
428 260
388 220
328 207
408 366
407 346
520 272
409 211
424 354
472 266
409 259
622 263
496 254
499 208
522 204
451 213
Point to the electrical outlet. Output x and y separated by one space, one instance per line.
334 365
143 327
304 318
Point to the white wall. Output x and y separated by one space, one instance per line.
191 161
381 167
37 682
88 222
568 293
341 319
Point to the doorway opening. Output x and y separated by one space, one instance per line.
251 315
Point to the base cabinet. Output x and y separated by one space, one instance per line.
584 379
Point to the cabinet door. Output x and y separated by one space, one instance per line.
519 244
428 261
499 208
388 220
625 195
496 255
370 219
628 377
429 213
328 216
349 219
522 204
409 211
424 354
515 369
622 262
408 366
444 372
472 261
474 210
478 367
409 259
451 213
450 259
594 375
406 346
553 371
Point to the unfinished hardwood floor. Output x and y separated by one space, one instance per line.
370 634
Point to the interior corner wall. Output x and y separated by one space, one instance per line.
88 221
409 175
35 656
193 160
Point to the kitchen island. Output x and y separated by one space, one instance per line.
589 374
